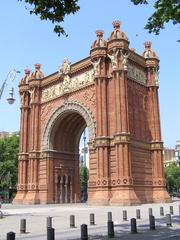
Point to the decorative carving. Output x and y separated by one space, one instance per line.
96 67
114 59
98 182
69 106
92 183
113 182
89 96
68 85
25 79
37 74
32 95
156 70
136 74
125 181
122 138
65 67
104 182
124 59
157 146
119 181
22 98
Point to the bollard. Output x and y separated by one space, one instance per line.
138 214
133 225
168 220
109 216
23 226
72 221
84 232
150 211
50 233
49 222
152 223
110 229
124 215
92 221
179 209
11 236
161 211
171 210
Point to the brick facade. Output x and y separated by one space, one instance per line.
114 92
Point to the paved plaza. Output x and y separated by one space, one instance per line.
36 215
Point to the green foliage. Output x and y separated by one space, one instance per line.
54 11
9 148
84 176
172 174
165 11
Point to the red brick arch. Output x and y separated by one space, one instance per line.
114 92
69 106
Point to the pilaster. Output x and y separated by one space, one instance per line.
99 193
24 141
158 179
32 195
122 189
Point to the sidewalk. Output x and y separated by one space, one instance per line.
36 215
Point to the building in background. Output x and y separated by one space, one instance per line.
168 156
83 149
4 134
177 152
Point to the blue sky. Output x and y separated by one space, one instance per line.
26 40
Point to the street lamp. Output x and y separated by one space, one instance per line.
10 99
10 77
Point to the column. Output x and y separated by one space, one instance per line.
34 148
102 138
61 188
24 147
122 185
159 184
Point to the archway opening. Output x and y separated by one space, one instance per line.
68 141
84 164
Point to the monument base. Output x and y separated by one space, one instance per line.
19 198
32 197
161 196
100 197
124 197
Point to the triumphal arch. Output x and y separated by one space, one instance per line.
114 93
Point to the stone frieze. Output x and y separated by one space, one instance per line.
69 84
136 74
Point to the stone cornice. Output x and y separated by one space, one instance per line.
137 59
140 144
23 88
77 67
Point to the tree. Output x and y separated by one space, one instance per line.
54 11
84 175
165 11
9 148
172 174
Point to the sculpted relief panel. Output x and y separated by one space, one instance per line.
71 84
68 85
136 74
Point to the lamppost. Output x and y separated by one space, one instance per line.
10 77
84 150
